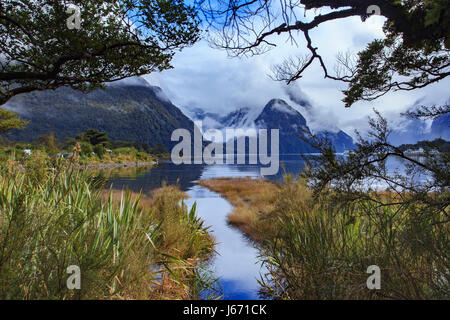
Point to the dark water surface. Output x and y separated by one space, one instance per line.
236 263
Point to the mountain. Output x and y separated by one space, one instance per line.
410 131
339 140
440 128
133 110
276 114
210 120
130 110
241 118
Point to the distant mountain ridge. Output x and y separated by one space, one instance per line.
440 128
134 110
411 130
276 114
130 110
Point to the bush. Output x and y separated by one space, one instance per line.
142 156
86 149
125 151
36 167
99 150
52 217
10 153
322 250
129 154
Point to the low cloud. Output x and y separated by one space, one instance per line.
207 78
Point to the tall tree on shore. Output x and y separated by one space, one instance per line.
9 121
42 48
94 137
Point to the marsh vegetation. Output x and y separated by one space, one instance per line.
320 248
127 245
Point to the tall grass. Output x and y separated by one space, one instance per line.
52 217
183 243
322 250
252 200
319 248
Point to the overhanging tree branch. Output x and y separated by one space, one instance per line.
119 39
416 48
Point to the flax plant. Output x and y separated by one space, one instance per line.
54 215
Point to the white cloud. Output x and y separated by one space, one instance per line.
206 78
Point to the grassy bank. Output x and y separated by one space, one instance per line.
127 246
116 158
253 201
315 248
93 148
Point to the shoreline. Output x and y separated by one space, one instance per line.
250 199
177 231
117 165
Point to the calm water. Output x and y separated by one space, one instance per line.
236 263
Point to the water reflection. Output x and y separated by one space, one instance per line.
122 172
236 264
185 175
154 177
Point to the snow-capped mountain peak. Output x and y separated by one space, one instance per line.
280 106
276 114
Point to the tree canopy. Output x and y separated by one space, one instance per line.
94 137
116 39
9 120
414 53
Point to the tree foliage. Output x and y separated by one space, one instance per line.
419 180
116 39
94 137
9 120
49 142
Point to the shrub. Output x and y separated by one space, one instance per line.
52 217
99 150
86 149
125 151
322 250
142 156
